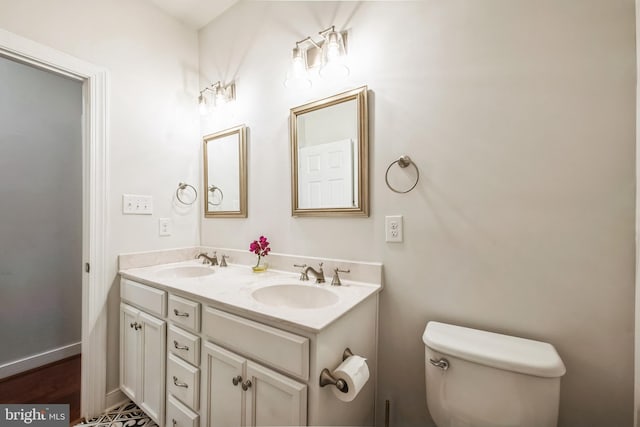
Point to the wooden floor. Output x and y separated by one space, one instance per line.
57 382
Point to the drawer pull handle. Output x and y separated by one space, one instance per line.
236 380
177 313
179 383
135 325
246 385
180 347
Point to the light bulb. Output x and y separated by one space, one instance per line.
221 97
297 77
333 56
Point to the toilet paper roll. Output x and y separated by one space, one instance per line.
355 372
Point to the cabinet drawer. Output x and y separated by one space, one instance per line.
183 381
280 349
184 312
146 297
178 415
183 344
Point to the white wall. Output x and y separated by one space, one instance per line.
153 139
41 215
520 115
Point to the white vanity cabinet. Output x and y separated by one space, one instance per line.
142 361
211 365
239 392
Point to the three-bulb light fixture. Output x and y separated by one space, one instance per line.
219 96
329 55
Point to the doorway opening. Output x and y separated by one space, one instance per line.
95 283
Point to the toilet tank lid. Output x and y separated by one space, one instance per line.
496 350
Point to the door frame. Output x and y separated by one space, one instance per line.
95 197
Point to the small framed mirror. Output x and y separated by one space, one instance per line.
225 174
330 156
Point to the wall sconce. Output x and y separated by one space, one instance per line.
329 54
220 95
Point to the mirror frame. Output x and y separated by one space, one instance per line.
360 96
241 130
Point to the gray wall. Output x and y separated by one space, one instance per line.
521 117
40 210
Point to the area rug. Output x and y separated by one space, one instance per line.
125 415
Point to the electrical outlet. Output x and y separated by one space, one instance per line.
393 228
164 227
133 204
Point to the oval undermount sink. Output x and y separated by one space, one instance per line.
184 271
295 296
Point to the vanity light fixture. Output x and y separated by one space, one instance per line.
333 55
220 95
328 55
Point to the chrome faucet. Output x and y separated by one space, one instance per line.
319 274
207 259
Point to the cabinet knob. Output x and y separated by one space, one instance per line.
237 380
246 385
132 325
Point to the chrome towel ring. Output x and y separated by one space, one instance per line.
212 190
403 162
181 189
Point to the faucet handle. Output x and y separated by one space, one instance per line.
303 272
223 263
214 258
336 278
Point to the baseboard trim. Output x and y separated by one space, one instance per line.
115 398
37 360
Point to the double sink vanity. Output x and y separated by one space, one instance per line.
204 345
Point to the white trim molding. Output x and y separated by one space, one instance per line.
40 359
95 284
115 398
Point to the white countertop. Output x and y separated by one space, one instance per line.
230 288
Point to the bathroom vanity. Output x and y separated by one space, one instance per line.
223 346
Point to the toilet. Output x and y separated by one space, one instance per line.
477 378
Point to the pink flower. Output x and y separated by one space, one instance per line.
260 247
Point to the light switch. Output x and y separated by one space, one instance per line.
133 204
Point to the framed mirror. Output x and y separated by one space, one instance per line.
225 174
330 156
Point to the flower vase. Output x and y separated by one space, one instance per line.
260 266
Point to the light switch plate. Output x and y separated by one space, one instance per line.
133 204
393 228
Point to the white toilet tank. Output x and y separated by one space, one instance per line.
483 379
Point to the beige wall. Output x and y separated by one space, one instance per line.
153 138
520 115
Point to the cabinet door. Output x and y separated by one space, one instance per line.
273 399
129 360
222 400
153 362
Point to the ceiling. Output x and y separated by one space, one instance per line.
194 13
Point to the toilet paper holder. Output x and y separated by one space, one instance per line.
327 378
